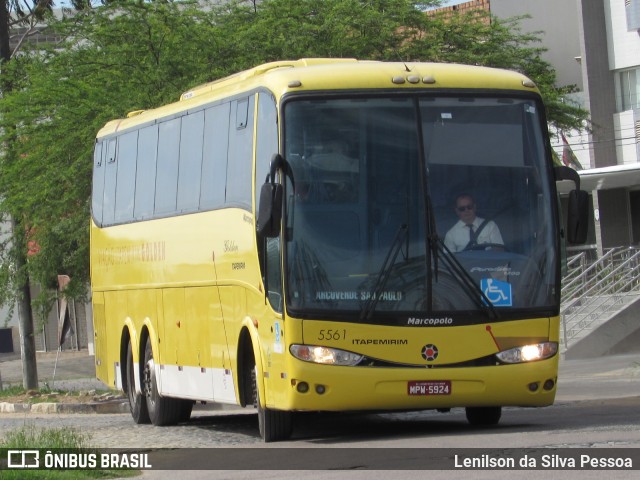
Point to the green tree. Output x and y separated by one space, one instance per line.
279 29
119 58
26 16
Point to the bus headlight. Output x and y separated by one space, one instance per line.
529 353
325 355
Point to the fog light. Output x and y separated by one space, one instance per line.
320 389
549 384
303 387
533 387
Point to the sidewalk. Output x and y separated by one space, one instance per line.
598 378
614 376
67 371
75 370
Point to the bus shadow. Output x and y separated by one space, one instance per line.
330 428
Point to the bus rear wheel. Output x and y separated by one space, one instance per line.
274 425
483 416
162 410
137 402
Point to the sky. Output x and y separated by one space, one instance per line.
447 3
453 2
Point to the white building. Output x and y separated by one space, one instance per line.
595 45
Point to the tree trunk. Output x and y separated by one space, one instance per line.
25 318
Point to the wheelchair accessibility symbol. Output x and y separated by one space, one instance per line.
497 292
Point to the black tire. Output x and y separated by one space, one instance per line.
137 402
162 410
483 416
274 425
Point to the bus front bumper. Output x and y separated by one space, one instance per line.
313 387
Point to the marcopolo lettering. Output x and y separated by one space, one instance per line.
430 321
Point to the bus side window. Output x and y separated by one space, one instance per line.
167 169
146 172
274 273
190 169
240 156
266 139
98 182
126 176
214 157
109 194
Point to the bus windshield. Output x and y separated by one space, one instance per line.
406 209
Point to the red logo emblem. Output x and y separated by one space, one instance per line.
429 352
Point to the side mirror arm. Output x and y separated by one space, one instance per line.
567 173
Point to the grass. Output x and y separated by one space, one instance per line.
12 391
28 396
44 394
33 438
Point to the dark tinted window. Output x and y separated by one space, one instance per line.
146 172
109 198
240 161
98 183
190 169
126 177
266 139
200 161
214 160
167 174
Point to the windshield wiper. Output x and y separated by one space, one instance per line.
464 279
383 274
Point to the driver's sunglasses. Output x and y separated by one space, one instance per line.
462 208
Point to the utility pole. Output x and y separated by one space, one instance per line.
23 294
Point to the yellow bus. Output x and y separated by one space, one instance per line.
276 240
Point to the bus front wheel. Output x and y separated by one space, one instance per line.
483 416
274 425
162 410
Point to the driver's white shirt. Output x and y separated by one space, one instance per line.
457 238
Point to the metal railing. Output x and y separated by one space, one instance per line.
592 292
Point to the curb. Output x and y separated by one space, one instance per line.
118 406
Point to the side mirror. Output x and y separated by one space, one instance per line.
270 210
578 216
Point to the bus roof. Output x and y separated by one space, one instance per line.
325 74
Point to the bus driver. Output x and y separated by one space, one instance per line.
470 230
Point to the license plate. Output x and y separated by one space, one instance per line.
429 387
